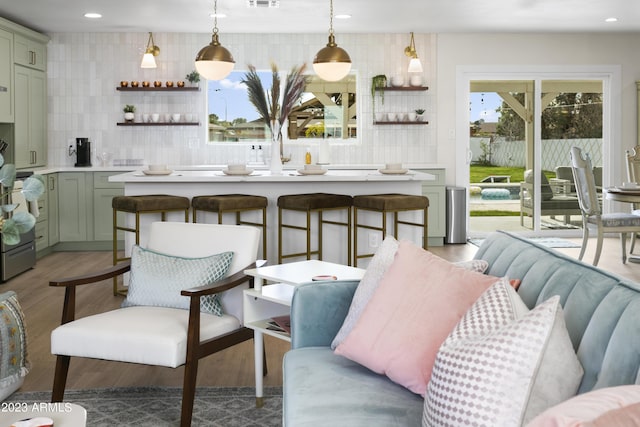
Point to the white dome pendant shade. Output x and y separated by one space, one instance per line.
214 61
332 63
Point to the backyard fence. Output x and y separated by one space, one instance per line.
555 152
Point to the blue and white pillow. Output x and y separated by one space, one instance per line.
157 279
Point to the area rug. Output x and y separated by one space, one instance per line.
550 242
160 406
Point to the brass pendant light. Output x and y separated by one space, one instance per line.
214 62
148 59
332 63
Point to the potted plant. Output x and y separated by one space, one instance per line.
128 113
419 114
193 77
377 82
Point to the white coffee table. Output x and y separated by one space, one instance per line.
266 301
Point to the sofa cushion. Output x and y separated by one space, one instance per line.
419 300
157 279
379 264
611 406
321 388
602 310
502 365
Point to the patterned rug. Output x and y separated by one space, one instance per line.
550 242
160 406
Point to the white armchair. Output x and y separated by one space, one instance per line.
163 336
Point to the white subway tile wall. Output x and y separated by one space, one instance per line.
84 70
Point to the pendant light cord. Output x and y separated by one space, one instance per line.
330 17
215 16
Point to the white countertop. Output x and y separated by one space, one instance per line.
287 168
258 176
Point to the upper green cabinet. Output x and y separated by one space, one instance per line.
6 69
30 53
30 117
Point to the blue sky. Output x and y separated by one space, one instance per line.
483 106
231 94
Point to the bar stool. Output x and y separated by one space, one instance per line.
234 203
384 204
157 203
309 203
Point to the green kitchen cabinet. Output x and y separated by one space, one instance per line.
30 53
30 117
6 82
103 192
53 207
75 190
435 191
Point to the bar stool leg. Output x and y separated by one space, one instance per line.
279 236
349 224
115 249
309 235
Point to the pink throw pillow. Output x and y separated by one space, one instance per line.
612 406
418 302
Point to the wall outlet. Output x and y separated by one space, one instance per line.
374 241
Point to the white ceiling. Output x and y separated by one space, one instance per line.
312 16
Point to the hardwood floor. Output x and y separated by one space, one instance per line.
232 367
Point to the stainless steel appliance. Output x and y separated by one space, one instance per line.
15 259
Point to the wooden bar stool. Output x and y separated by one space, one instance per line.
309 203
156 203
234 203
384 204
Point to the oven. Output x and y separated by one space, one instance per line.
15 259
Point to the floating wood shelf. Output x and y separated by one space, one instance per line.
402 88
158 124
401 123
158 89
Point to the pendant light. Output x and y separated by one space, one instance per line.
148 59
214 62
331 63
415 66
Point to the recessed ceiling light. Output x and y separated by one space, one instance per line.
611 19
342 16
92 15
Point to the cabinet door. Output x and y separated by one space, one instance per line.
30 117
6 86
42 223
22 157
29 53
103 213
52 192
38 118
73 201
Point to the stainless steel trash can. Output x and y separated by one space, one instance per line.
456 215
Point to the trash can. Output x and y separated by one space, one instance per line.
456 215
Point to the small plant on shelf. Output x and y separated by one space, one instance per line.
378 82
193 77
420 114
128 112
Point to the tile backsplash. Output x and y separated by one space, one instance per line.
84 70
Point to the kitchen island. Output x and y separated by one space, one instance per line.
190 183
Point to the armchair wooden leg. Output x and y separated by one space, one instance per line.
188 392
60 378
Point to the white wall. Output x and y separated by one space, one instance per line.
85 68
561 51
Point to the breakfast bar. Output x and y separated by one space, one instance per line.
197 182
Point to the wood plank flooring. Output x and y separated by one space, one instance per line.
232 367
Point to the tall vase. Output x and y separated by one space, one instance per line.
276 160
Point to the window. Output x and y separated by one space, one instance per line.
327 110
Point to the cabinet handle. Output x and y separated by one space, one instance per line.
52 184
32 57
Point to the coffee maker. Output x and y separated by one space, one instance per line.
82 151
